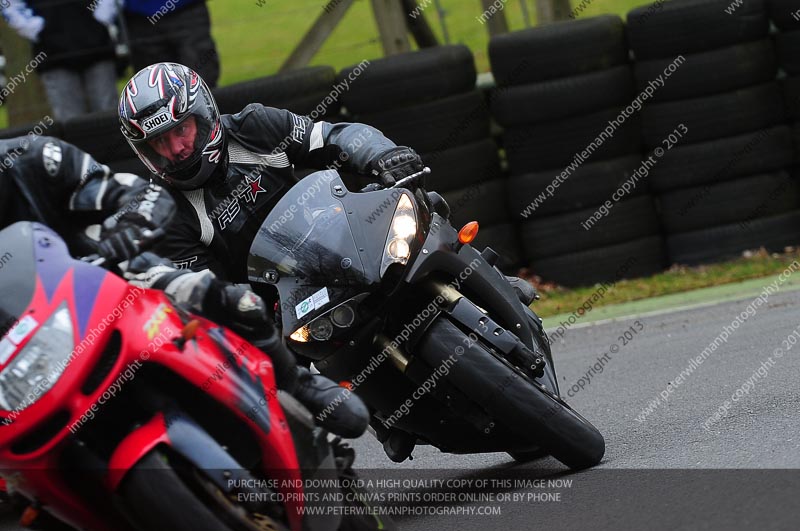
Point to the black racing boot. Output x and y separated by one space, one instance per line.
334 408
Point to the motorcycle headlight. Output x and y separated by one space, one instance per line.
321 328
331 323
401 234
39 365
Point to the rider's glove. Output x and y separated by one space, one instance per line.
236 306
232 305
122 243
120 239
395 164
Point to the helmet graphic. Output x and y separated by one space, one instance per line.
171 121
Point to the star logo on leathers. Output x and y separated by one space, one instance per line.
255 188
248 190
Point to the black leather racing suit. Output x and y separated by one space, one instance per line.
214 226
48 180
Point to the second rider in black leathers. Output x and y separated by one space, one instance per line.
228 172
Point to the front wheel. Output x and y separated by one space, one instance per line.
572 439
530 455
528 410
156 498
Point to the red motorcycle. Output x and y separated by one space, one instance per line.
120 410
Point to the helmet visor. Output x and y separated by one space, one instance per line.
177 151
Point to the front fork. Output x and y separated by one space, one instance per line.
479 325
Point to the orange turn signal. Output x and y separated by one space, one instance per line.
347 385
468 232
29 516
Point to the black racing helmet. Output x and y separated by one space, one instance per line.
160 98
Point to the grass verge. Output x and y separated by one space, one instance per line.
556 299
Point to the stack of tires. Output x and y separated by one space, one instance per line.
428 100
785 14
304 91
559 86
716 126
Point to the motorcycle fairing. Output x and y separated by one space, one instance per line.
17 284
483 279
311 249
40 260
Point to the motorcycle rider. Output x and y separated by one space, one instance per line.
48 180
229 171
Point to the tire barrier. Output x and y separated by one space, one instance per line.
300 91
99 135
630 259
562 89
727 176
692 26
407 79
558 50
728 241
707 73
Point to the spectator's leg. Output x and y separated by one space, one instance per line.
191 34
99 80
64 93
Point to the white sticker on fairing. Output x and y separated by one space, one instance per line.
321 298
23 329
314 302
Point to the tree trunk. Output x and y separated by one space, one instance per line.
316 36
496 22
28 103
418 26
548 11
391 22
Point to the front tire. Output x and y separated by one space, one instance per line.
156 498
532 455
525 408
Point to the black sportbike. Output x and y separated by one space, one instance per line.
386 297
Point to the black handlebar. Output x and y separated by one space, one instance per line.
405 180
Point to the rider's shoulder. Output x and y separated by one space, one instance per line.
259 127
256 114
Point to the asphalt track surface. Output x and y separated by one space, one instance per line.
666 472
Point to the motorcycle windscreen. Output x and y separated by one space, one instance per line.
306 241
17 272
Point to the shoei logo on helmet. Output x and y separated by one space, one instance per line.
155 121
